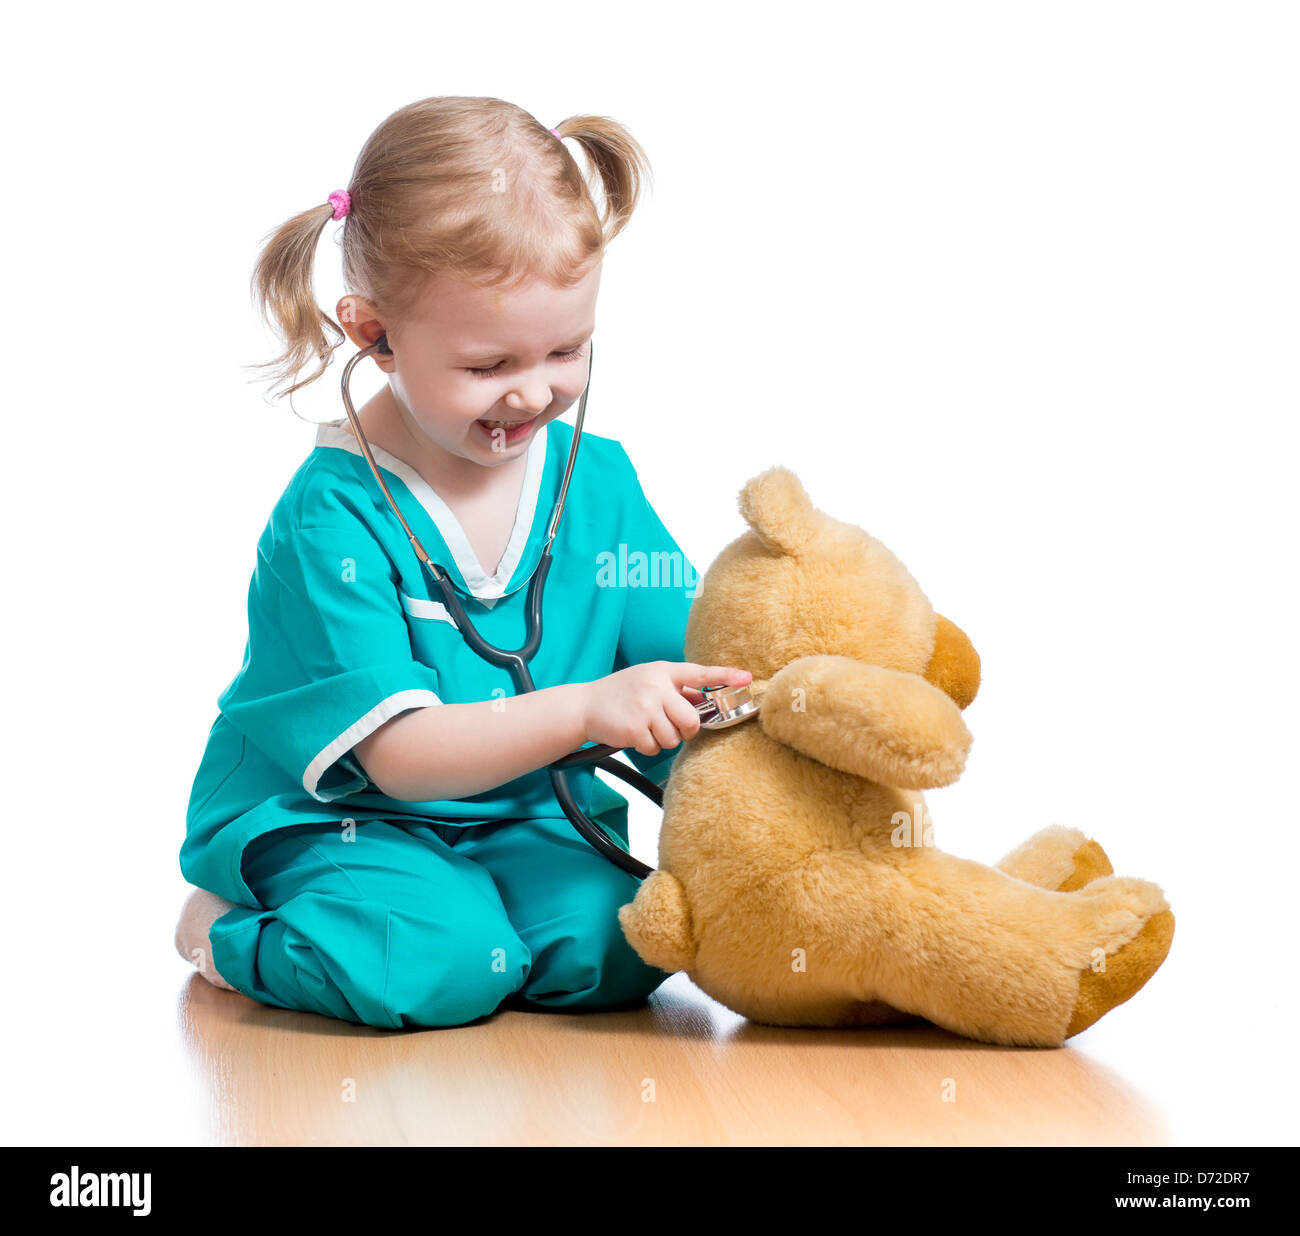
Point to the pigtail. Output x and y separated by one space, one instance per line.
282 288
619 161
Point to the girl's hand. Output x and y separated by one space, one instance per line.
651 707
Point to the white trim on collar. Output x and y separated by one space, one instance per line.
487 588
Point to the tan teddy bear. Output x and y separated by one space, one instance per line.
798 882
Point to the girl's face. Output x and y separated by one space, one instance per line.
475 371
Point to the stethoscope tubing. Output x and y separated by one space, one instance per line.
516 660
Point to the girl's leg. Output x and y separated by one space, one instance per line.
563 899
390 928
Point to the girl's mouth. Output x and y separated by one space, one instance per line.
507 433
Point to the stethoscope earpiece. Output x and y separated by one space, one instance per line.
381 346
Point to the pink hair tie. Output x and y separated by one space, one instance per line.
556 132
341 200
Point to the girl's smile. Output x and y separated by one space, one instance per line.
507 433
475 371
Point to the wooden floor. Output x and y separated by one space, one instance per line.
681 1071
114 1040
144 1052
1165 1068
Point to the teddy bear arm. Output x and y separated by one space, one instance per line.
892 728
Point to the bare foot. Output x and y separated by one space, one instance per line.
199 912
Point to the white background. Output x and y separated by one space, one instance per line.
1011 285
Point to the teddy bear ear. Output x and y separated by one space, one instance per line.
776 506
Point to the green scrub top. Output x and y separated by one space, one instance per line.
346 629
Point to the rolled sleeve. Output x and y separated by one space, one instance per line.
329 656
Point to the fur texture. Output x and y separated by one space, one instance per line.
798 881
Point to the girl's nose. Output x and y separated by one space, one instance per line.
530 398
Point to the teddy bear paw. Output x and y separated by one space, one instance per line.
1122 960
1058 858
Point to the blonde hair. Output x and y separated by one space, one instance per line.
473 188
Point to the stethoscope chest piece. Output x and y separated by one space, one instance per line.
724 706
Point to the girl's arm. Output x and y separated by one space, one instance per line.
450 751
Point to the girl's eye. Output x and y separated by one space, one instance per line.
571 355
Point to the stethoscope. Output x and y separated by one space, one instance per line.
721 707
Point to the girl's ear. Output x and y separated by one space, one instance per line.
359 320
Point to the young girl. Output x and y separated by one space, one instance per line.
372 829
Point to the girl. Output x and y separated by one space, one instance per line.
372 830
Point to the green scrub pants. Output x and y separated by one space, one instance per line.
424 924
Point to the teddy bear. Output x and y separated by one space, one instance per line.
798 882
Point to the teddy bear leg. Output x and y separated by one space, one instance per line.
1058 858
994 958
1123 973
